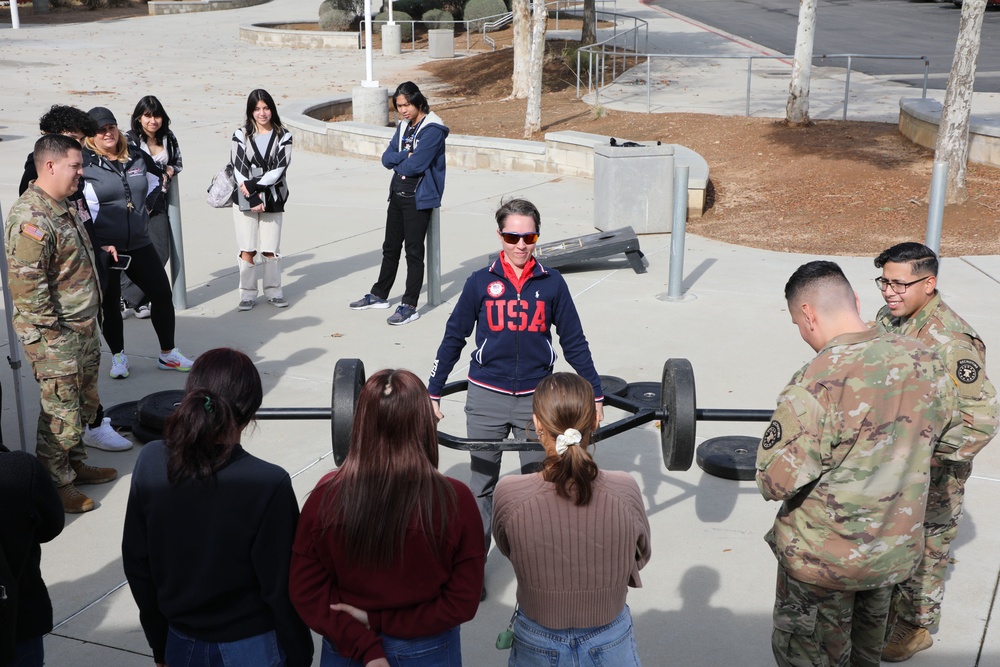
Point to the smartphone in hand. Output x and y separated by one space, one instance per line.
122 263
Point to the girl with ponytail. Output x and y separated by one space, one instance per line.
209 529
577 537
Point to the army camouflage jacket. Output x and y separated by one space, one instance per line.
848 452
940 328
51 268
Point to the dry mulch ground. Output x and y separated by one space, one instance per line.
834 188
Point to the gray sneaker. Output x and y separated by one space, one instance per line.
369 301
246 304
404 315
278 302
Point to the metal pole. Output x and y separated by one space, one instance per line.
677 232
178 280
578 74
434 259
749 71
648 74
15 23
935 209
13 342
847 87
927 66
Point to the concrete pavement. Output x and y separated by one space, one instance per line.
709 587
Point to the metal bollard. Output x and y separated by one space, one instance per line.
434 259
935 208
675 285
177 278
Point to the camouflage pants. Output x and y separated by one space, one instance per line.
921 595
66 370
819 627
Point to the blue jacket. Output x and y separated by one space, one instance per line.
513 333
427 160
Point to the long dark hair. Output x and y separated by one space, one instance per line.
390 473
563 401
261 95
221 397
150 105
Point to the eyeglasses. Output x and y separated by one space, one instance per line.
513 237
898 288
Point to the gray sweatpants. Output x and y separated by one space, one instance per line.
493 416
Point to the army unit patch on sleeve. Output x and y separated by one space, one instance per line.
33 232
967 371
772 435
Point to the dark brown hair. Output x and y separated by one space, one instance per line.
221 397
390 473
563 401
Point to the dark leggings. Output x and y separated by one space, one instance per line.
404 226
147 273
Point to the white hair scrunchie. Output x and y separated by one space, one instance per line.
566 440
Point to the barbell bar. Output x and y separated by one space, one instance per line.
675 408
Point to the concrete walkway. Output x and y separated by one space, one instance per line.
709 587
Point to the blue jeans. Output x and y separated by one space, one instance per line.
611 645
29 653
443 650
257 651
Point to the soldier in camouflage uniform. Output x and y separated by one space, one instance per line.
848 453
56 297
914 308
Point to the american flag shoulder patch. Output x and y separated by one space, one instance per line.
32 231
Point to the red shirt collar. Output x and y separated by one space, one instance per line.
508 271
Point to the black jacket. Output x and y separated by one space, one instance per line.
30 513
120 197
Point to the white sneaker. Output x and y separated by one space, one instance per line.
119 366
125 308
105 437
174 361
142 312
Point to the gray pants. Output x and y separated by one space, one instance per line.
493 416
159 234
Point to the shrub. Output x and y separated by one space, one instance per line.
480 9
333 16
415 7
438 19
402 18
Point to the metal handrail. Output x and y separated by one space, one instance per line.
598 52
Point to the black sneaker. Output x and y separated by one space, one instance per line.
404 315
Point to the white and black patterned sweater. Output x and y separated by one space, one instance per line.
264 175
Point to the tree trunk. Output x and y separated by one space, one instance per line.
522 49
797 107
533 115
953 130
588 34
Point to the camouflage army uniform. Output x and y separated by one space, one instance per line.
964 356
53 285
848 452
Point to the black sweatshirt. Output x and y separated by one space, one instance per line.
210 558
30 513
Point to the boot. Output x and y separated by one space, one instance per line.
906 639
86 474
73 501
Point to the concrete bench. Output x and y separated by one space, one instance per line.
919 119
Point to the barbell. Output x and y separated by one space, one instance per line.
672 403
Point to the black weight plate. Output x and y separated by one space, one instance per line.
613 385
677 428
644 393
154 409
144 434
348 379
729 457
122 415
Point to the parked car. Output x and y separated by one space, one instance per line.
989 3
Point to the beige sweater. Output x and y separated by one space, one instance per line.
573 564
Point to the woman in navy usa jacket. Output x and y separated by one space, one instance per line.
512 304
